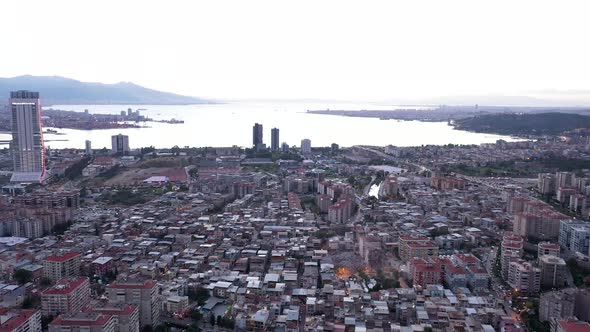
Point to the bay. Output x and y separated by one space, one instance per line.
231 124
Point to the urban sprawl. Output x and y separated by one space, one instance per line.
490 237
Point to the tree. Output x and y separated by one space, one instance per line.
45 281
196 315
212 320
219 323
23 276
200 295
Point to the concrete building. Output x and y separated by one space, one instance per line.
305 146
274 136
558 304
575 236
120 144
562 180
416 247
569 326
83 322
126 315
56 267
67 296
546 183
257 137
524 277
29 228
27 147
285 147
547 248
88 148
553 271
20 320
177 304
425 272
511 250
144 294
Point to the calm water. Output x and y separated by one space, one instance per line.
231 124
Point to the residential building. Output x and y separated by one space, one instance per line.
547 248
66 296
569 326
83 322
305 146
557 304
60 266
27 147
126 315
120 144
524 277
511 250
274 135
285 147
416 247
88 148
553 271
257 137
177 304
575 236
425 272
20 320
144 294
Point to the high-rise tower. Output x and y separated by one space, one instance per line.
257 137
27 133
274 142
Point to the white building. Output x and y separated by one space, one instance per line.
305 146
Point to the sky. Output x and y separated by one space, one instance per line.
341 50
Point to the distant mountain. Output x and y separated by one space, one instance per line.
60 90
524 124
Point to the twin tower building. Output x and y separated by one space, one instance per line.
258 144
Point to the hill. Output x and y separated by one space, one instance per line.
60 90
524 124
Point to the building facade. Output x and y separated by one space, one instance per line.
120 144
274 142
56 267
67 296
144 294
28 150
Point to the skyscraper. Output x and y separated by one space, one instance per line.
119 144
88 148
257 137
305 146
27 134
274 135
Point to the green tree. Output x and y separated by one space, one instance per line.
212 320
23 276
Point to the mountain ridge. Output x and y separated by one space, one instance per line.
56 90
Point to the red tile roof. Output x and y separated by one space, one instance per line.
65 286
82 319
571 326
62 258
132 285
14 322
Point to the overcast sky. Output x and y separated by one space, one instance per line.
361 50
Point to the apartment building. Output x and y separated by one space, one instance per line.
69 295
143 294
56 267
